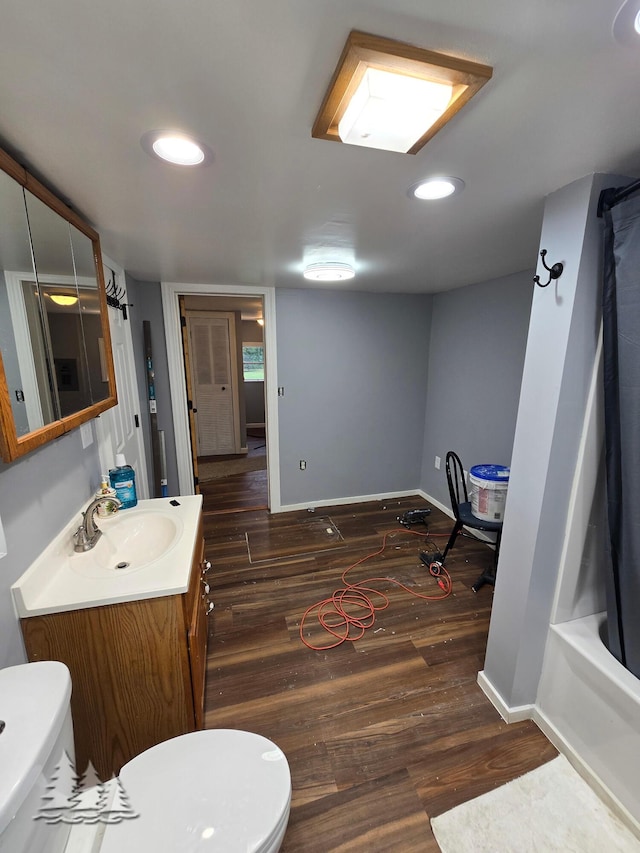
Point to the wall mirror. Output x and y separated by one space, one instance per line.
56 368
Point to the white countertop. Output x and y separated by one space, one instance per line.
61 580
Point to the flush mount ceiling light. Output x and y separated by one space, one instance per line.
176 148
435 188
390 95
62 298
329 272
626 24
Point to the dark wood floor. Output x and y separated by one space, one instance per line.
381 734
240 491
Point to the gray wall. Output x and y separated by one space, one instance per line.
39 494
478 341
146 299
354 369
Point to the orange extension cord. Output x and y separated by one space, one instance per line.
350 611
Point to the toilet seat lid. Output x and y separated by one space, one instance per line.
215 790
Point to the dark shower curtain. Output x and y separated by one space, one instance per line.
621 329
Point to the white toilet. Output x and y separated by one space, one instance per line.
215 790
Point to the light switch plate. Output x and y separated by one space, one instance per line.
87 435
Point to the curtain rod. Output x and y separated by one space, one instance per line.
612 196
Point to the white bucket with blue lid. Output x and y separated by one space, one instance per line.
488 491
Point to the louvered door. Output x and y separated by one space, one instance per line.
214 377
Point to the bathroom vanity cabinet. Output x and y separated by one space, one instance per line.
137 668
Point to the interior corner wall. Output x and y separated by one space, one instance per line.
561 350
476 357
353 369
146 299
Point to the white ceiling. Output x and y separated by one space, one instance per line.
81 81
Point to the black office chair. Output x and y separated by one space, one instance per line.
461 507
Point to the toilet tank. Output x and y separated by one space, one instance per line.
35 718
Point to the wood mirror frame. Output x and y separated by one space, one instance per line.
12 444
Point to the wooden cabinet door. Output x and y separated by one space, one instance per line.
197 604
198 655
137 669
129 667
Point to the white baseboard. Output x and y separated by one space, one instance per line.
386 496
510 714
442 507
354 499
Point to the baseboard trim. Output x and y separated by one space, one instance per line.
383 496
353 499
510 714
436 503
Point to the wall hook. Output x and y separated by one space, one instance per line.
114 295
554 272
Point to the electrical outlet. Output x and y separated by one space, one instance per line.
303 465
437 463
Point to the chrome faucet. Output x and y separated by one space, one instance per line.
88 533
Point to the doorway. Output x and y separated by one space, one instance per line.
237 489
229 454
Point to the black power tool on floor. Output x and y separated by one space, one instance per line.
414 516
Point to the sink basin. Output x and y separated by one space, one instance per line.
130 541
143 552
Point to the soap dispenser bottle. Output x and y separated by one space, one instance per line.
123 480
107 507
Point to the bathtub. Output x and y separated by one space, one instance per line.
588 705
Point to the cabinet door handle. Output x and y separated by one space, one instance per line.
206 588
210 607
205 565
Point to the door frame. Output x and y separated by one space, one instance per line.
103 433
171 291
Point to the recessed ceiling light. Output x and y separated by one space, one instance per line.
329 272
437 187
177 148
